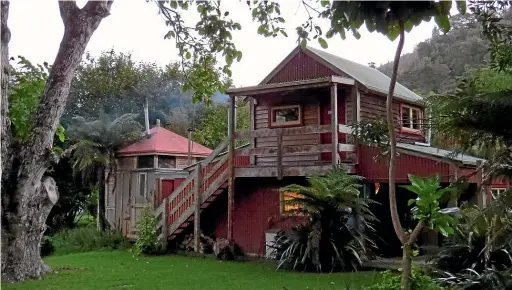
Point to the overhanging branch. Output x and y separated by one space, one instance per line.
68 11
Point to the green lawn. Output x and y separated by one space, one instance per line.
120 270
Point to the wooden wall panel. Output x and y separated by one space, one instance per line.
301 67
374 107
256 210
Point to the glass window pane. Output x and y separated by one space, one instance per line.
285 115
416 122
166 161
406 118
142 184
145 161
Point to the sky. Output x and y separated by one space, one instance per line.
135 26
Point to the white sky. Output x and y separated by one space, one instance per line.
135 26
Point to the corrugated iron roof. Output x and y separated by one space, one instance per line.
164 141
369 77
440 153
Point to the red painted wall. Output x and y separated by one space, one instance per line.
257 209
405 164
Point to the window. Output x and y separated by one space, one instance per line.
286 207
495 192
166 161
411 118
143 184
285 116
145 161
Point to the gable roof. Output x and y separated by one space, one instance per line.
164 141
371 78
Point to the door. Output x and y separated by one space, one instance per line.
325 119
141 196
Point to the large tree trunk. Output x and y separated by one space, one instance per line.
28 195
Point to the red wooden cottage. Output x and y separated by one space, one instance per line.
148 171
300 114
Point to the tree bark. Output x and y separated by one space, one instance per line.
28 195
405 283
392 141
101 198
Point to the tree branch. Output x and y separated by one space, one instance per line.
98 8
68 11
416 232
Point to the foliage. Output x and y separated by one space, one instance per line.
116 84
489 279
96 141
419 281
86 239
147 240
120 269
334 238
214 125
480 251
27 84
74 197
428 203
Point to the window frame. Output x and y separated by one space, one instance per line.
273 109
499 191
282 206
145 184
410 129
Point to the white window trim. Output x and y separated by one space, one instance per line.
145 185
498 190
410 109
289 123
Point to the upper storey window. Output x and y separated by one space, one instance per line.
285 116
412 118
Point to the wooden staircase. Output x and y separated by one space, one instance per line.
206 181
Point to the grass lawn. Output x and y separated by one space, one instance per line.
120 270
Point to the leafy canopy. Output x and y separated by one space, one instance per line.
207 48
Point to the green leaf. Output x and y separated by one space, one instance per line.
322 42
461 6
411 201
443 23
283 33
280 19
303 43
239 56
188 55
330 33
174 4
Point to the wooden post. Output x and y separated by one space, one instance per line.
197 214
483 189
356 118
455 175
334 124
252 103
279 154
165 228
231 169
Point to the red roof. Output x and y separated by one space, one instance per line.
164 141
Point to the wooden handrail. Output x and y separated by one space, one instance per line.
313 129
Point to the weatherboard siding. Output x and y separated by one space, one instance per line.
374 107
301 67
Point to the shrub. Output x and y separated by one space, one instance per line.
419 281
87 239
334 238
147 240
46 246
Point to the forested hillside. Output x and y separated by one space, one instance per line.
436 63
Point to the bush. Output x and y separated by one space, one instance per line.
147 240
87 239
46 246
335 235
419 281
